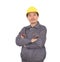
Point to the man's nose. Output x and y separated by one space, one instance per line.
32 16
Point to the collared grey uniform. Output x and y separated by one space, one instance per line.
33 52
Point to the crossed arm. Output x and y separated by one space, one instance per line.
21 40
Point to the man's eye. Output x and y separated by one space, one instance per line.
34 14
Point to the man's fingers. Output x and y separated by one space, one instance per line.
33 40
23 35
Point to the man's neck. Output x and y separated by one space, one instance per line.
33 24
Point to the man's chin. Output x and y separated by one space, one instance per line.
33 22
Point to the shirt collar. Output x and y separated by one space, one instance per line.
36 26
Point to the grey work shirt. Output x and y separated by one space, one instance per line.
33 51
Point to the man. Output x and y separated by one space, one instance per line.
32 38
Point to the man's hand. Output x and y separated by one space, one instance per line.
33 40
23 36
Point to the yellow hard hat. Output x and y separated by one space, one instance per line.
31 9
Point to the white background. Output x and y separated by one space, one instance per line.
12 19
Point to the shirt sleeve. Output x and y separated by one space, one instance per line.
32 46
41 40
20 41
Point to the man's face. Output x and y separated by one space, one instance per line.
32 17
